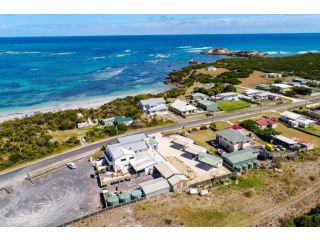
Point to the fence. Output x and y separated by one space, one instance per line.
100 211
210 181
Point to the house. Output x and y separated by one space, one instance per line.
155 187
199 96
315 114
272 75
153 106
284 141
210 159
250 92
241 160
207 105
211 68
283 87
227 97
131 151
232 140
295 119
264 87
266 123
83 124
182 108
178 182
107 121
123 120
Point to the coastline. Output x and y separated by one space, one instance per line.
92 102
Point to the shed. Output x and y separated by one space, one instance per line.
178 182
181 140
155 187
166 169
240 159
207 105
209 159
194 149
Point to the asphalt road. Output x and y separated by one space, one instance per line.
22 172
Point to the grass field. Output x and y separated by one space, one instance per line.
215 73
62 136
230 106
315 129
202 137
254 79
221 125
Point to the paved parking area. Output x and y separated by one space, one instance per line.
53 199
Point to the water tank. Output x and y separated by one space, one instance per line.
124 197
136 194
112 200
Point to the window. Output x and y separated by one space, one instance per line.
123 159
131 158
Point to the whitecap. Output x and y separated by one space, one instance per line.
107 73
183 47
200 48
153 61
19 52
62 53
97 58
127 50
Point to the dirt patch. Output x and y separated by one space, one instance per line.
182 167
254 79
214 73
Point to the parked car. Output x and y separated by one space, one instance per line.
71 165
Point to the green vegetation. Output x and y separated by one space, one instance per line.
230 106
218 88
217 126
311 219
252 180
264 134
306 66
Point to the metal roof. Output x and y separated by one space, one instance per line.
177 178
227 94
121 149
194 149
152 101
209 159
143 163
154 185
233 135
181 140
240 156
166 169
132 138
206 103
182 106
199 95
285 139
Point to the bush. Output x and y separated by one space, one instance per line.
203 127
168 221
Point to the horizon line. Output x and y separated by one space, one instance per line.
177 34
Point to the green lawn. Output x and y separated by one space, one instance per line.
229 106
221 125
315 129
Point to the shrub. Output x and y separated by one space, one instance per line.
203 127
168 221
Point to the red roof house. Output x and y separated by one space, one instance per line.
265 122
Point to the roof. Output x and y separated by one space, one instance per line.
152 101
251 91
177 178
166 169
264 121
206 102
293 116
200 95
227 94
122 119
141 164
181 140
158 108
233 135
121 149
182 106
154 185
236 127
240 156
281 85
209 159
152 141
132 138
194 149
284 139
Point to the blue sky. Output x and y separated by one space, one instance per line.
71 25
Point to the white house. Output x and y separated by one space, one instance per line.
107 121
153 105
134 151
232 140
272 75
211 68
227 96
83 124
295 119
183 108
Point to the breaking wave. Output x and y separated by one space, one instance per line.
183 47
19 52
107 73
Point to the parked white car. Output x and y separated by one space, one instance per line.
71 165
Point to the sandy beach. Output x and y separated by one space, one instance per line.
87 103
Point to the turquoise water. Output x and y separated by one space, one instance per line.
51 70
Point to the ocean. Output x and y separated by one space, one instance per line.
47 71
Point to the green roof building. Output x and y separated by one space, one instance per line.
209 159
241 160
265 87
207 105
123 120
